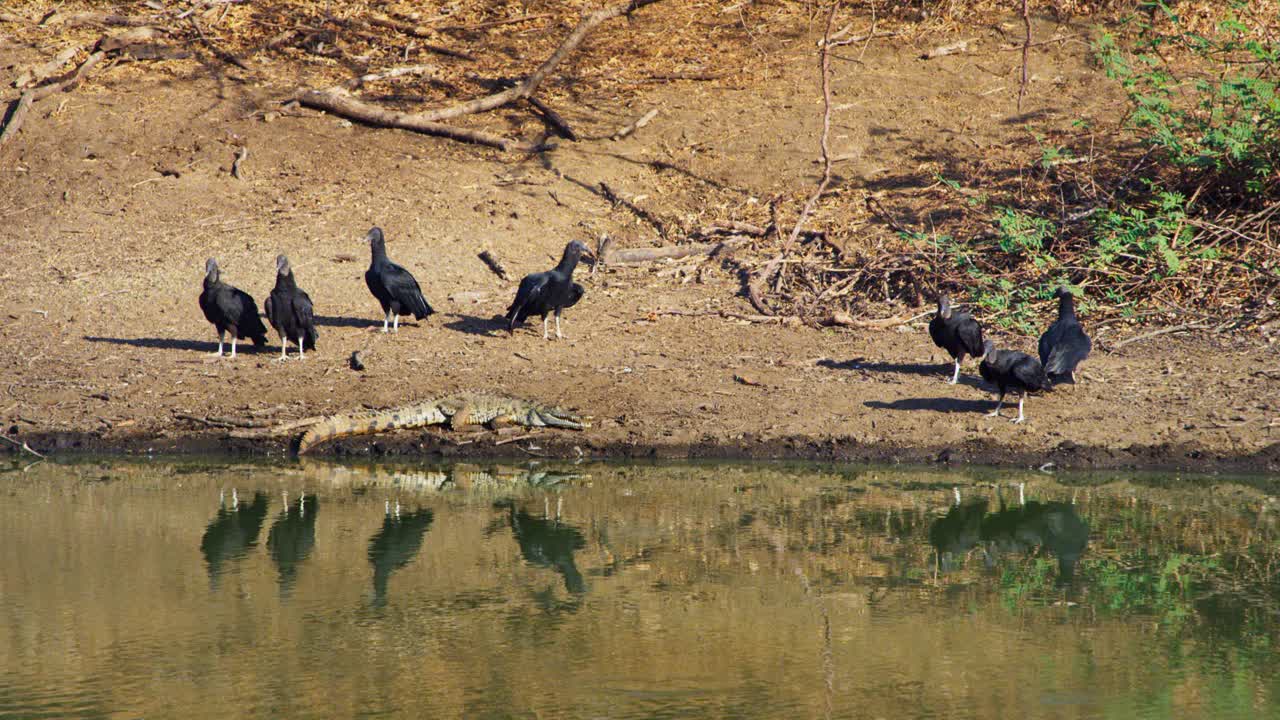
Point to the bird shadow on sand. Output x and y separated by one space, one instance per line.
938 370
495 326
351 322
178 344
945 405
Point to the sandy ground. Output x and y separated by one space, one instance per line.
113 197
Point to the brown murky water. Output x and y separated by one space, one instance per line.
166 589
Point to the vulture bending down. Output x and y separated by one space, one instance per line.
957 333
1011 370
1064 345
230 310
394 287
548 292
289 311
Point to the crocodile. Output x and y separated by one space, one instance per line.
469 407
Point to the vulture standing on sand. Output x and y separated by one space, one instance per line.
1064 345
957 333
1011 370
394 287
548 292
230 309
289 311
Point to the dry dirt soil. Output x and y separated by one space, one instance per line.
112 196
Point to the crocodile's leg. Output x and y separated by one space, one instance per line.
461 417
999 404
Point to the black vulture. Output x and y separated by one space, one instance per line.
548 292
395 545
292 538
1011 370
394 287
230 309
289 311
1054 526
549 544
953 535
232 533
957 333
1064 345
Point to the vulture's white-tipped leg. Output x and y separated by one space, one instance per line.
1020 417
221 334
956 490
956 377
386 322
233 346
544 328
284 348
301 354
395 322
558 335
999 404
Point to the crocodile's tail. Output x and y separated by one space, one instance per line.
354 424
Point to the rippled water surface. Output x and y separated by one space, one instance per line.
168 589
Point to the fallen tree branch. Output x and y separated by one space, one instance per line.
352 109
1026 49
39 73
527 86
636 124
21 445
494 265
98 18
361 80
492 23
33 95
1185 327
429 122
417 31
943 50
636 256
559 124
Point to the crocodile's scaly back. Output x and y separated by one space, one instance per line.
463 408
370 421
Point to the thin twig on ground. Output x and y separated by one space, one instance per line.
1026 50
771 268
